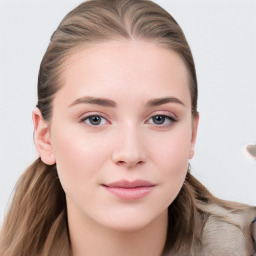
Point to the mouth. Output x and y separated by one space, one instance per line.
129 190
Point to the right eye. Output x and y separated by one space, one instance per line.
94 120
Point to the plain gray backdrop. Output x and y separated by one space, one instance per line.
222 36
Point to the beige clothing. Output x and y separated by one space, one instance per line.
226 232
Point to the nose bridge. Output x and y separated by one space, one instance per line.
129 150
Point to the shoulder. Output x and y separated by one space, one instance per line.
227 230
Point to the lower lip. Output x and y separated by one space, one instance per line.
130 193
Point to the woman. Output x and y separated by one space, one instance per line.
115 126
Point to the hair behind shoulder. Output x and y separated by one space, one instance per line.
36 221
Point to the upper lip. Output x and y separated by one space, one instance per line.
129 184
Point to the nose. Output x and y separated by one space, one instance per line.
129 151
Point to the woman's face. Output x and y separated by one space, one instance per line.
122 132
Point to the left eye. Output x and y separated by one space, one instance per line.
94 120
162 120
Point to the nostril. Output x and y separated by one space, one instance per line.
121 162
129 163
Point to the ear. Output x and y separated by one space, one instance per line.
42 138
193 137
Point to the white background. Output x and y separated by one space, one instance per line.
222 36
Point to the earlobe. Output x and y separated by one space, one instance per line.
42 138
193 137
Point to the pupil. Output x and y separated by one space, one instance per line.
159 119
95 120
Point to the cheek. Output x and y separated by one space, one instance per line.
171 156
172 148
79 156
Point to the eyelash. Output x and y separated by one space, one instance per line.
171 119
91 116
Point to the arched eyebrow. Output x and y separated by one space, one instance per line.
96 101
161 101
110 103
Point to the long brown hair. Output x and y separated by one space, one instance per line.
36 222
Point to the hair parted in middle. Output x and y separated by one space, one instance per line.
39 189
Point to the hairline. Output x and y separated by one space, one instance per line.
80 46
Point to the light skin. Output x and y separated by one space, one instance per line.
144 131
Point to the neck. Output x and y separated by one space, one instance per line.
90 238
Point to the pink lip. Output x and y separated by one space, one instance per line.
130 190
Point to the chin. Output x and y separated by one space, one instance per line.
132 221
127 226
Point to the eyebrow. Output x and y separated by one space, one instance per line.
95 101
110 103
161 101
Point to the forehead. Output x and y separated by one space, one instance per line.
126 68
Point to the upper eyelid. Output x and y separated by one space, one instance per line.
162 113
170 118
84 116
